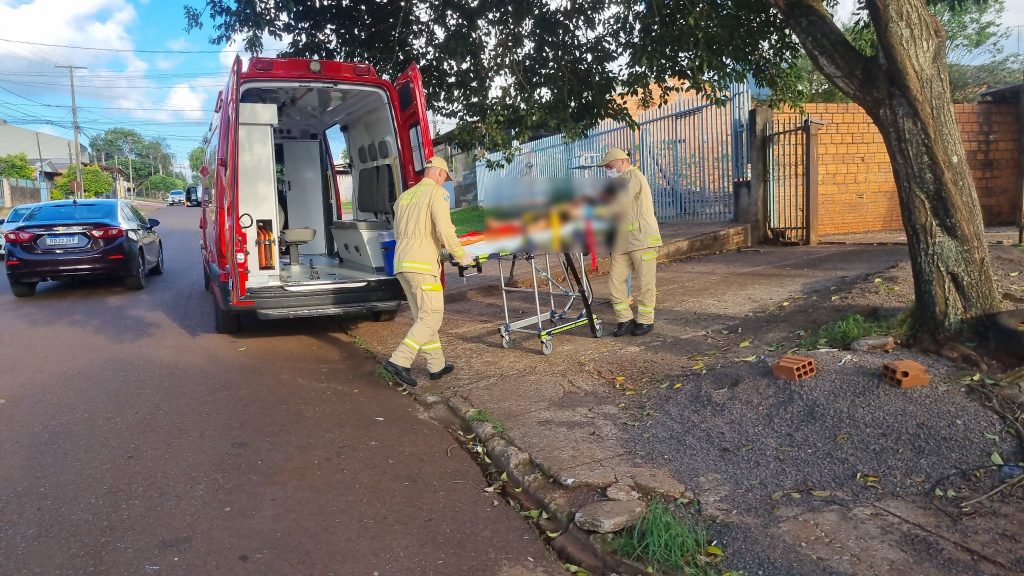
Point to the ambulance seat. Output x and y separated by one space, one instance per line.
292 238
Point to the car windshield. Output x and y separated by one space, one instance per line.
177 193
72 213
18 213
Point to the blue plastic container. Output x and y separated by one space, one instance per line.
388 247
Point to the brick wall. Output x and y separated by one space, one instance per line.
856 189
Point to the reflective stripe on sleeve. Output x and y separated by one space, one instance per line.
620 306
411 343
431 346
653 240
648 309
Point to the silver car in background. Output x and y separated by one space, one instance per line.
16 215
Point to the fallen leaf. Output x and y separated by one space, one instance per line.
842 438
504 476
677 386
553 534
820 493
878 280
794 495
242 348
997 459
749 358
776 495
834 298
698 366
785 303
379 419
622 404
620 378
714 550
1014 274
745 344
630 392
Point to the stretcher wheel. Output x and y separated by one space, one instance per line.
598 330
546 347
506 341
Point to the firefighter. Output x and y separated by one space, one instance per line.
635 245
423 225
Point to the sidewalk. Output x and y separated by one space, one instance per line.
696 399
993 235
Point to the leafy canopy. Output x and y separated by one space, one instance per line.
505 70
16 166
162 183
95 182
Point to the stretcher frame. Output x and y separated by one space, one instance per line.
545 325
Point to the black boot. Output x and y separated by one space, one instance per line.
643 329
404 375
448 369
623 328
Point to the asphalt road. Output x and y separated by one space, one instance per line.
134 440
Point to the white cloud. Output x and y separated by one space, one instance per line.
190 101
103 23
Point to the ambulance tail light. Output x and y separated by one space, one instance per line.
363 70
262 64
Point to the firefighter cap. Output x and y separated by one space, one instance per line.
438 162
612 155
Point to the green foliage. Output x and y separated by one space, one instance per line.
975 50
669 540
95 182
116 145
485 416
16 166
196 159
162 183
468 219
843 332
506 70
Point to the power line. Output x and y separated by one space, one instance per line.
129 50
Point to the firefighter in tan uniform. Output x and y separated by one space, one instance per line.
423 225
635 247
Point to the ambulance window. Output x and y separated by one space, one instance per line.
405 98
416 138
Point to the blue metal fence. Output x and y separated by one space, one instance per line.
690 150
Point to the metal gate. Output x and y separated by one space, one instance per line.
792 180
692 151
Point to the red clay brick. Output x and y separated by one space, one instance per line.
794 368
905 374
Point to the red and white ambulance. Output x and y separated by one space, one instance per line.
275 240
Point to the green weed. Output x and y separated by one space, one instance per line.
668 541
485 416
362 343
468 219
842 333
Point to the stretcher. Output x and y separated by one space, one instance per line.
557 315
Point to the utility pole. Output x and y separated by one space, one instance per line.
43 195
74 119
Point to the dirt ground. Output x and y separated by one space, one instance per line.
776 463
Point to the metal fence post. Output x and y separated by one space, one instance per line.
811 179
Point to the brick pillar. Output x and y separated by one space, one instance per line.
756 211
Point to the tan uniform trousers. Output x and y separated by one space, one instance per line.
426 300
643 263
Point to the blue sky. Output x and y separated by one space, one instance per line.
163 93
140 79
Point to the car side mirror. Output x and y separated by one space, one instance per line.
153 222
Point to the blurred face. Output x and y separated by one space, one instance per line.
617 166
436 174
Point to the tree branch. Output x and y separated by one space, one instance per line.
830 50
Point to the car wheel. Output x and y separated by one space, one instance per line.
384 315
23 289
225 321
137 281
159 268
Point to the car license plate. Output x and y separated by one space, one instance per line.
66 240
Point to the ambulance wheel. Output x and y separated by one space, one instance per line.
225 321
546 347
384 315
506 341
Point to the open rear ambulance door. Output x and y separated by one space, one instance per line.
238 260
413 127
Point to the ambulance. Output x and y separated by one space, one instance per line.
276 241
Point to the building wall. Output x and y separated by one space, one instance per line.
857 192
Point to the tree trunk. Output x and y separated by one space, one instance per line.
905 90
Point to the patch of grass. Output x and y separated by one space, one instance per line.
668 541
468 219
485 416
362 343
385 375
843 332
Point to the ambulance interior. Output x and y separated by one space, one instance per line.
299 235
